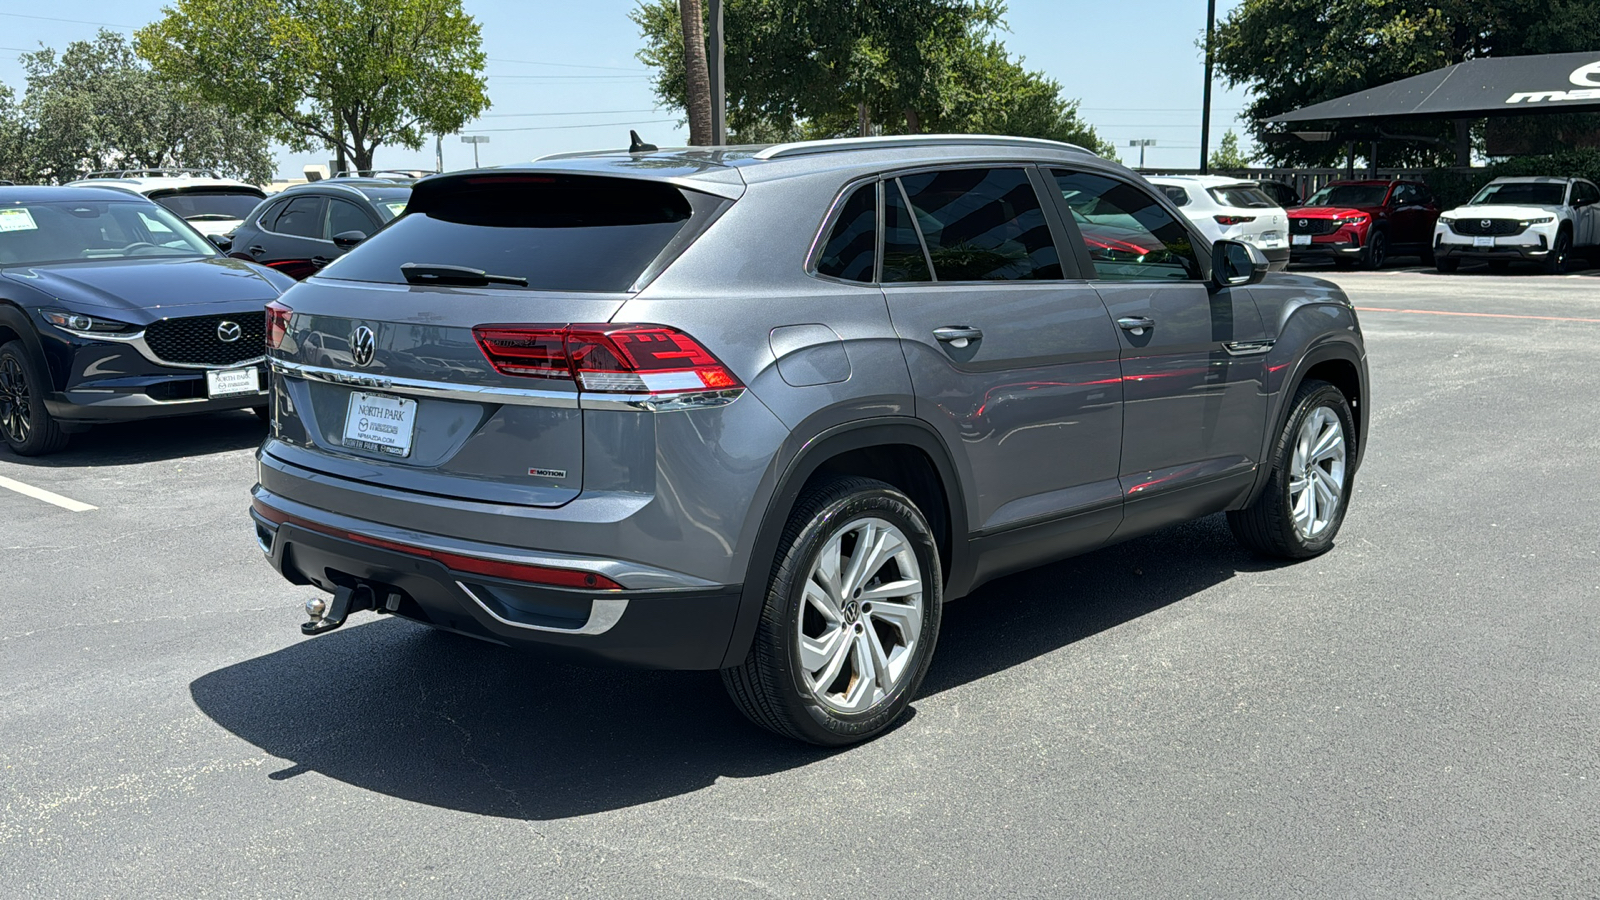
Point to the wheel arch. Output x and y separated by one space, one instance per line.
16 326
1342 364
903 451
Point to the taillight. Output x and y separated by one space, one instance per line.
630 359
1233 220
277 324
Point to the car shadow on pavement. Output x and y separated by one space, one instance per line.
429 717
155 440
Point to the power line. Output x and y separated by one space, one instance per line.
594 112
614 78
562 127
73 21
529 62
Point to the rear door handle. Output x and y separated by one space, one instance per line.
1136 325
958 336
257 250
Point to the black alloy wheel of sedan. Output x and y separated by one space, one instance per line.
20 409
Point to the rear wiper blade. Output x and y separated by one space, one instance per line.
434 273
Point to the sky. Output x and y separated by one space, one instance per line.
563 76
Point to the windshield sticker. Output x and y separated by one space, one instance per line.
17 218
396 207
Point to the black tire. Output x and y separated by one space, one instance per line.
1268 526
1555 262
1376 252
1427 256
264 413
768 687
28 429
1446 264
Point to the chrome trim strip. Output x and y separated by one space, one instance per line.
659 403
604 614
436 389
1247 348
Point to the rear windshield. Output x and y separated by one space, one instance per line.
1523 193
1244 196
561 233
208 205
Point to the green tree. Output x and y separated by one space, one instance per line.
347 75
829 68
1227 154
96 105
1293 53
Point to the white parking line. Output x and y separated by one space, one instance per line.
28 490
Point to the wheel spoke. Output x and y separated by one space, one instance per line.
886 546
885 679
866 537
903 617
841 654
1331 442
889 590
817 652
864 686
826 572
823 602
1326 493
1328 483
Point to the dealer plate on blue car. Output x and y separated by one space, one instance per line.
380 423
232 382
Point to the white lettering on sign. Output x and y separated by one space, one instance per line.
1586 76
1554 96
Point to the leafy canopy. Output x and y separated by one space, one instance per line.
341 74
1227 155
96 106
1293 53
818 68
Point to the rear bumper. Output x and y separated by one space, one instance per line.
675 628
1278 259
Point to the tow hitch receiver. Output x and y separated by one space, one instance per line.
326 615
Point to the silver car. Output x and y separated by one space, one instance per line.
766 409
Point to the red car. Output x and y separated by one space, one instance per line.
1364 222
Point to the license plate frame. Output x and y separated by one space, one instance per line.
224 383
1300 240
1483 241
380 423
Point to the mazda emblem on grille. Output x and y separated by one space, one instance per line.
1484 224
363 343
228 332
1303 223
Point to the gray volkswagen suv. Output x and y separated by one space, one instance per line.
765 409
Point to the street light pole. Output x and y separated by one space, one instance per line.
719 88
1141 144
475 140
1205 104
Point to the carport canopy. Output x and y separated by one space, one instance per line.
1476 88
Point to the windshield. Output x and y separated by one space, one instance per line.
209 205
1521 193
1246 196
34 233
1349 195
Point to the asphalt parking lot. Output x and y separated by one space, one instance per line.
1412 715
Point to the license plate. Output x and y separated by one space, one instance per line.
1271 237
233 382
1300 240
1483 242
380 423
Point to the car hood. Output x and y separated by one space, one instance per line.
149 284
1502 211
1327 212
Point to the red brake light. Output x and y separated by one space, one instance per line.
634 359
1233 220
277 324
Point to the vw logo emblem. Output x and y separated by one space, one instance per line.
363 343
228 332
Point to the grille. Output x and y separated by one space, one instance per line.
193 340
1312 226
1487 226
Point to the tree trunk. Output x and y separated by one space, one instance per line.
913 121
697 75
363 156
866 120
338 144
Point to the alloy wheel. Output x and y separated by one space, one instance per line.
860 616
1316 483
15 412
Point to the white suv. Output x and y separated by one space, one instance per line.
1535 219
1230 209
213 205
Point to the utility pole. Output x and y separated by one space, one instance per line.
438 153
475 140
1205 107
1141 144
719 88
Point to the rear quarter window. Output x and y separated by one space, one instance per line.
560 232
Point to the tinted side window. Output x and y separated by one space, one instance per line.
1129 236
852 244
983 225
302 218
902 252
1177 195
346 216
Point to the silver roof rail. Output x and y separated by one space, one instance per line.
889 142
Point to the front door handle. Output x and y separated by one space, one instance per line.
257 250
1136 325
320 261
958 336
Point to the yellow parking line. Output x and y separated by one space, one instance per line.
28 490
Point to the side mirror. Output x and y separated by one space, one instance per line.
1579 202
222 241
348 239
1236 264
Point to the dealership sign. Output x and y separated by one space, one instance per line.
1587 78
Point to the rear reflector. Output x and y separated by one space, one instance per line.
277 324
632 359
492 568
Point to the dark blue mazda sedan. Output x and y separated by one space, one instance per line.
112 308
